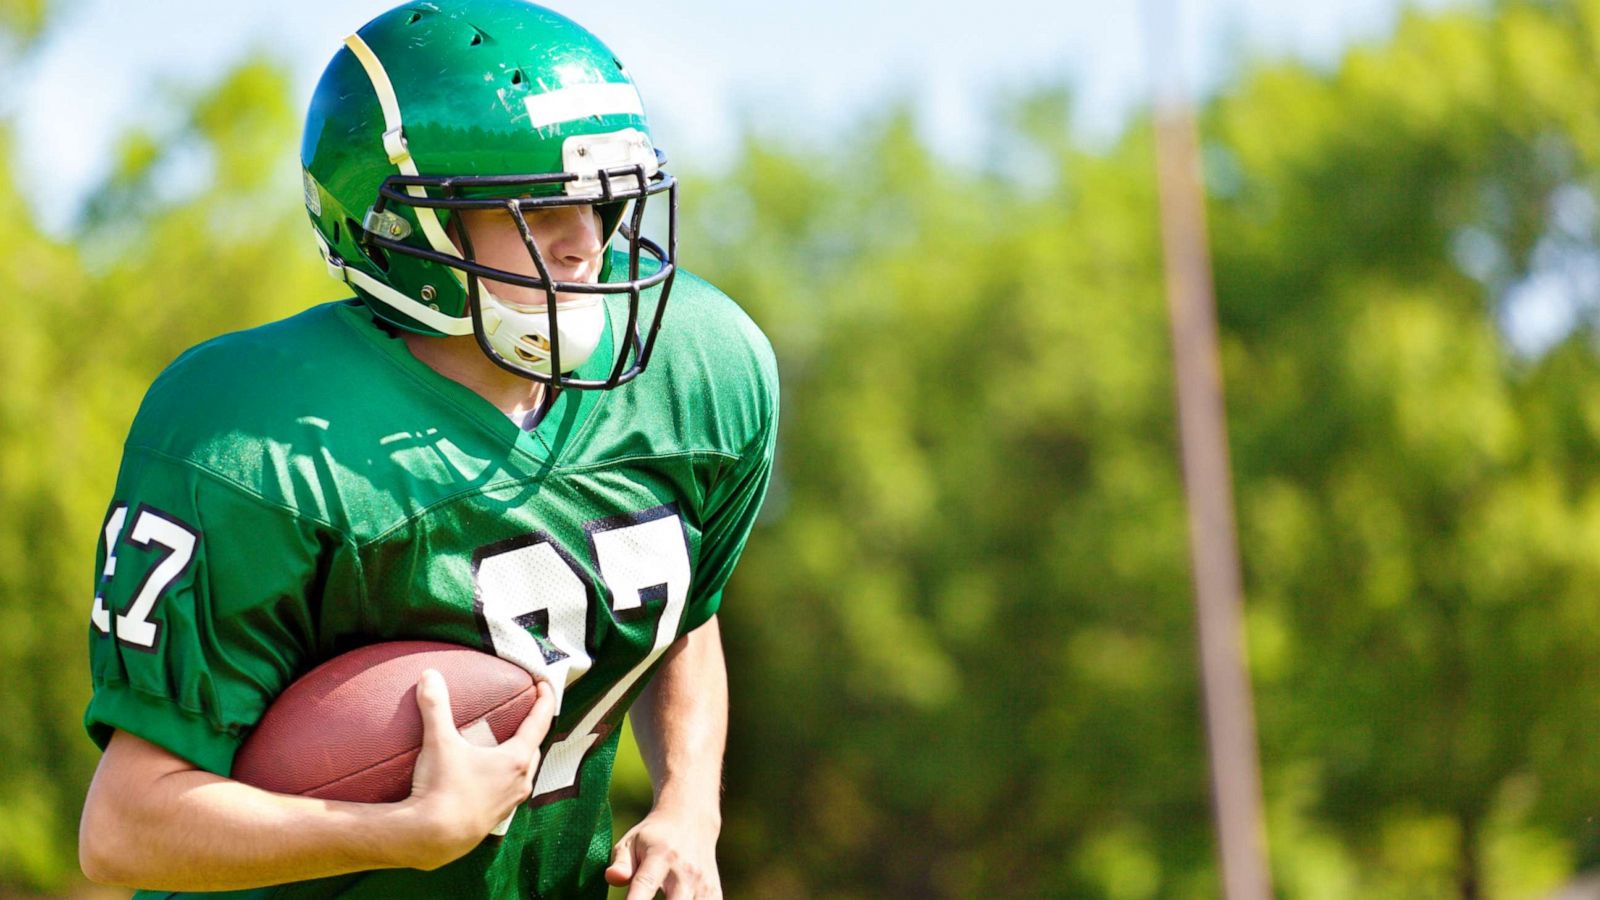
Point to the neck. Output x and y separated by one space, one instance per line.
460 360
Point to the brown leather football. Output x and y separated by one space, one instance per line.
350 729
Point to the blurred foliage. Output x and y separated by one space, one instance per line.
22 24
961 644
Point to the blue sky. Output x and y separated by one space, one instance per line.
703 65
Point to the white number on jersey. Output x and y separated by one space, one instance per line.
150 529
100 616
538 615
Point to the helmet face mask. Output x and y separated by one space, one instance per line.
551 120
532 345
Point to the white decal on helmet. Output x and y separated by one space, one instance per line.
313 196
611 98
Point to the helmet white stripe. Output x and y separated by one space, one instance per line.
394 144
611 98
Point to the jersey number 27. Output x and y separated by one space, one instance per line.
536 612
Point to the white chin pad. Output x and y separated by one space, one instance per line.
522 337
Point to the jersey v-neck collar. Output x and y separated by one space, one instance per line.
556 431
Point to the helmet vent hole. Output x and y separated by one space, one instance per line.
477 38
516 76
414 18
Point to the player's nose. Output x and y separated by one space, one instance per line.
576 234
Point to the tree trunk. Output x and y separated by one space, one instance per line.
1468 873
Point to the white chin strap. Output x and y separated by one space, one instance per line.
522 336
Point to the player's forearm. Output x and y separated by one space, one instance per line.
681 723
194 831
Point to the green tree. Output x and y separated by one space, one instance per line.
1416 496
94 319
975 564
962 644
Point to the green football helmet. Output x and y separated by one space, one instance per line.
432 108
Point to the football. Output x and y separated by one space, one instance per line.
350 729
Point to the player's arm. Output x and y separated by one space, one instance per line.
681 718
681 723
204 612
152 820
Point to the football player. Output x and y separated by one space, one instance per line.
528 432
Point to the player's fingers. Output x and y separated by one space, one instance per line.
433 701
649 878
690 881
679 886
530 734
621 868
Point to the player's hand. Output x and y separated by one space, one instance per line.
669 851
460 791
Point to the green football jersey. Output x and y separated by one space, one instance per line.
295 491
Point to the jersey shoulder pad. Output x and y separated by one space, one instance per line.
254 407
712 382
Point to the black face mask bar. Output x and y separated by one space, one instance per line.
636 347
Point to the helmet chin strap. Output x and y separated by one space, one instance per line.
532 347
421 312
522 337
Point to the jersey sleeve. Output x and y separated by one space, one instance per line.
732 508
203 610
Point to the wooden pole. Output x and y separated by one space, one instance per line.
1202 427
